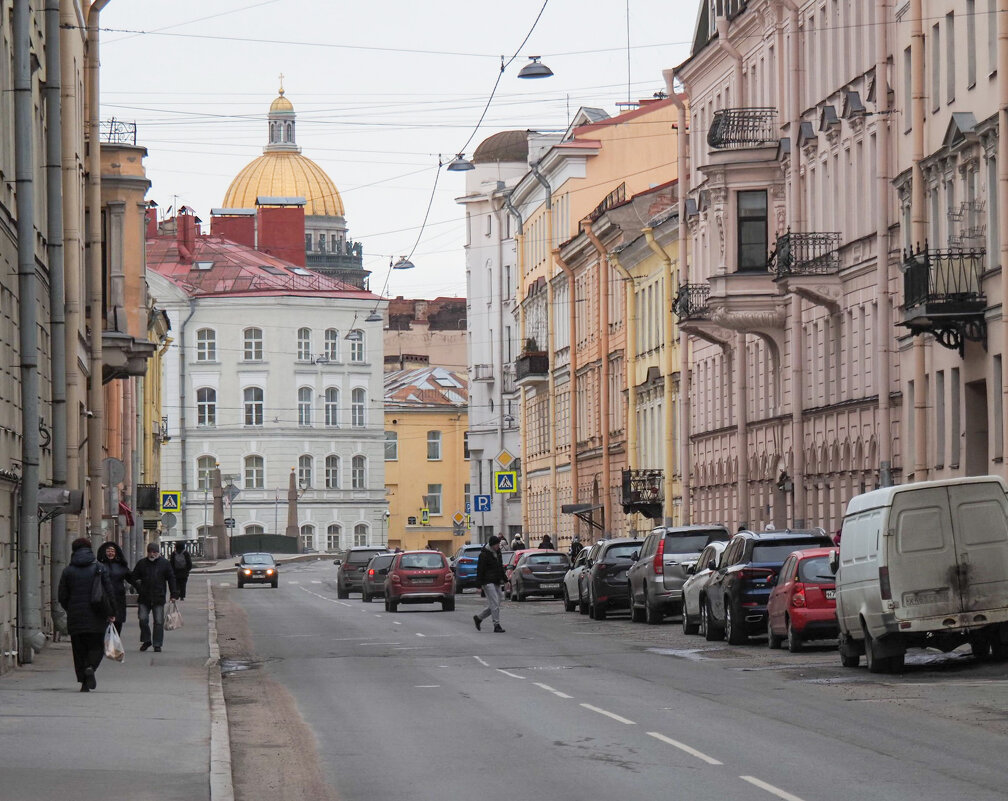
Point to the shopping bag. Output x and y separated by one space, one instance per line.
113 645
173 617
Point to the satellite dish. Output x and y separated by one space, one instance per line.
168 520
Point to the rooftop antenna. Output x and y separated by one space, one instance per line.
628 50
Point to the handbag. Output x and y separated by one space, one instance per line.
113 644
101 602
173 617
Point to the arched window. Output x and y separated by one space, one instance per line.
333 537
254 529
206 406
206 345
356 338
305 471
357 472
357 401
204 465
253 400
304 353
332 472
305 406
360 534
332 344
332 407
307 537
255 472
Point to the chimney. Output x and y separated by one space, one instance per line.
150 220
186 236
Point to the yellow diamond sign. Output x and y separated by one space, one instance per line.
504 458
458 518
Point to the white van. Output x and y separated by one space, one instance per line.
924 565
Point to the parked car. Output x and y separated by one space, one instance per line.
539 572
695 587
373 583
606 582
510 559
571 586
419 577
802 604
656 577
350 576
592 555
924 564
257 568
463 565
738 592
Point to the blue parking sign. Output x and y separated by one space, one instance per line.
482 503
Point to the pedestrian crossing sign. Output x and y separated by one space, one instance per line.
171 501
506 481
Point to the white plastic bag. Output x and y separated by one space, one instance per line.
173 617
113 645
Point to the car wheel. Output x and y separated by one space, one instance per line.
981 647
637 614
773 640
365 597
457 590
582 605
393 606
712 631
849 656
387 604
687 627
448 605
876 663
999 650
274 583
733 625
652 615
794 642
241 584
600 610
342 592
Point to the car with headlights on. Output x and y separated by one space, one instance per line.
373 583
539 572
350 576
257 568
695 588
419 577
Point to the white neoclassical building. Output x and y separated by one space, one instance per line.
271 368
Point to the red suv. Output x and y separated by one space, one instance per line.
419 577
802 604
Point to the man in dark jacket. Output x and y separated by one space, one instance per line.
153 575
181 563
490 576
85 623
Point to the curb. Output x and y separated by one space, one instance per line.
221 785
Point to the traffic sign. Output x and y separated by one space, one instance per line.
229 522
481 503
425 517
458 518
468 507
506 481
504 458
168 520
171 500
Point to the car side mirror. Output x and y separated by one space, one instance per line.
636 556
712 565
383 571
691 570
772 581
337 561
237 564
834 561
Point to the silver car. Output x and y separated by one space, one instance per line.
696 584
571 590
656 578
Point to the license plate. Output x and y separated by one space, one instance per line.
423 580
549 586
830 595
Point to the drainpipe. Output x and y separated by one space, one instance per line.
93 278
603 290
183 439
797 421
741 394
30 636
668 368
630 302
683 183
520 267
733 53
57 299
500 214
1002 197
885 325
572 418
919 224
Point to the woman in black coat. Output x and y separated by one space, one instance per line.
85 624
111 555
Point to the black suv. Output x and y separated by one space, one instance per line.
606 580
350 576
737 595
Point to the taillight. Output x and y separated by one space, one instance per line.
371 572
659 558
395 578
448 577
527 572
798 595
754 573
467 561
601 568
883 581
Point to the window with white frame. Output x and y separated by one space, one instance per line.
255 472
332 344
304 351
357 402
254 530
433 498
206 345
307 537
253 406
204 466
433 446
332 472
253 345
332 407
304 404
465 444
333 537
357 472
356 338
360 534
305 463
391 446
206 406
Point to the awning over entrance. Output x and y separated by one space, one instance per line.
585 512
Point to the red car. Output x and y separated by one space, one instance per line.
802 604
419 577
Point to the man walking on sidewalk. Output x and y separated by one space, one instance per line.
154 575
85 623
181 563
490 576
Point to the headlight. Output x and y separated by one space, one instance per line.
269 572
248 572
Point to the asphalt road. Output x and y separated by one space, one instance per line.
419 704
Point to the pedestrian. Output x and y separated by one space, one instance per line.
111 555
181 563
546 542
85 623
154 575
576 547
490 576
517 543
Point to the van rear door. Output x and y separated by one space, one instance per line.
980 512
921 557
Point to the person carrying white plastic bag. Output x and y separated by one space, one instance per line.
173 617
113 644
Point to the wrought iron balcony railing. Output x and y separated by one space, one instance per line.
644 492
117 132
805 254
691 301
483 372
742 127
532 364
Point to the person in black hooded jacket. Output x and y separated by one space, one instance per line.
154 577
85 624
112 556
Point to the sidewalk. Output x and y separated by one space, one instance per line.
144 733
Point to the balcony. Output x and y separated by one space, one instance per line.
644 492
691 302
943 295
509 379
734 128
483 372
805 254
532 367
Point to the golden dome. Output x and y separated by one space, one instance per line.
281 103
285 174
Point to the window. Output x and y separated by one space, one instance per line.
360 534
321 243
332 472
304 402
935 68
255 472
332 407
433 498
356 338
939 400
333 538
752 231
307 537
253 400
307 243
204 465
206 406
357 408
206 345
950 56
332 344
254 530
304 353
433 446
253 344
391 446
305 471
357 478
334 243
465 445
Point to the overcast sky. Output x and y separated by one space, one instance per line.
380 88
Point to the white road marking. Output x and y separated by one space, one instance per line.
316 582
425 686
549 689
396 622
777 791
379 643
293 582
418 634
330 600
684 747
612 715
512 675
224 584
478 659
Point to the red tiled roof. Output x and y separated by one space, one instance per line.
626 116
